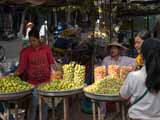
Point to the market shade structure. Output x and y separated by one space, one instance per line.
143 0
41 2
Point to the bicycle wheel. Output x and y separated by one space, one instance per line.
2 53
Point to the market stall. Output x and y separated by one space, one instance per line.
106 89
97 98
13 91
65 95
72 84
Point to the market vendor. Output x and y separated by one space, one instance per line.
36 60
141 88
115 57
35 64
139 39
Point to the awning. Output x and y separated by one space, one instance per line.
41 2
143 1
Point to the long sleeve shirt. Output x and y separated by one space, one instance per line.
122 61
36 63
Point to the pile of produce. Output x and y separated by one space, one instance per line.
100 73
79 74
68 72
58 85
119 72
124 70
73 77
74 72
109 86
70 32
12 84
114 70
56 75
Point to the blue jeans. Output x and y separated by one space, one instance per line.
3 109
32 113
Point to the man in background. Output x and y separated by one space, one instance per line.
43 33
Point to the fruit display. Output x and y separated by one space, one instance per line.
59 85
68 72
113 70
70 32
109 86
67 32
73 77
100 73
124 70
119 72
74 72
56 75
11 84
79 73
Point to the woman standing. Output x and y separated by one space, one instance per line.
35 64
142 87
138 41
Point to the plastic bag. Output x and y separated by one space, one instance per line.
100 73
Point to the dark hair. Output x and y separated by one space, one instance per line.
144 35
151 55
34 33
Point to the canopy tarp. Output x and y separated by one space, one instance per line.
41 2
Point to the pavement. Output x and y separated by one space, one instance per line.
12 48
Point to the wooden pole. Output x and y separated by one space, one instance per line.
94 109
66 110
148 23
132 28
99 113
8 111
123 111
40 108
16 111
53 109
20 33
110 18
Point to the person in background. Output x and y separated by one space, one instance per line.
43 33
29 27
35 62
138 41
115 58
142 88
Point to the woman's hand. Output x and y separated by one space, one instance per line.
131 68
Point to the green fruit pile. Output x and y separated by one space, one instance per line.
68 72
58 85
11 84
74 72
79 73
109 86
73 78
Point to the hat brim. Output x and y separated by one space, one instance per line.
117 45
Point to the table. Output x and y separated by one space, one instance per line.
64 94
14 98
106 98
